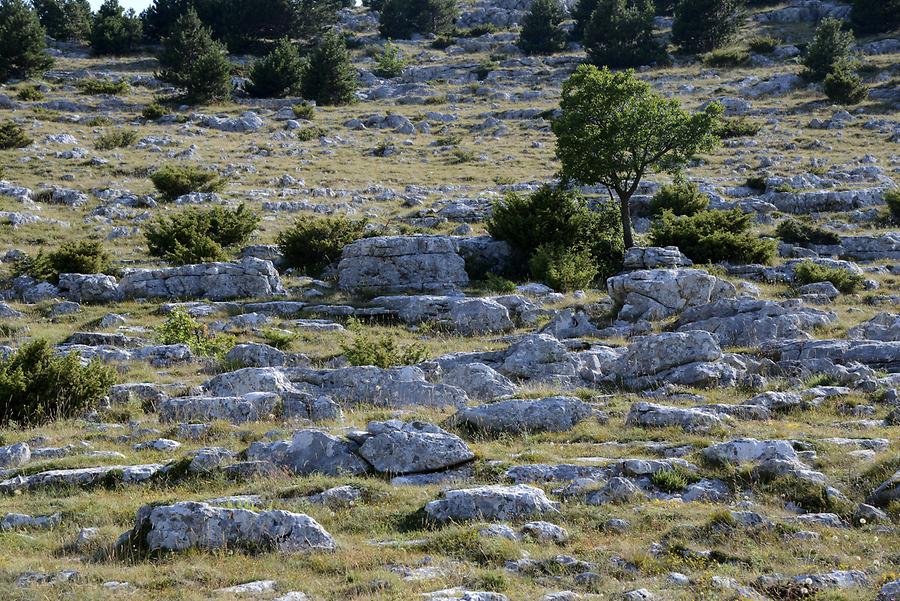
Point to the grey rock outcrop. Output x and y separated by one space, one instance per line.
490 503
311 452
551 414
251 407
650 415
247 278
397 447
660 293
653 257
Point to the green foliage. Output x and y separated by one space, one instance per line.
82 256
443 41
198 235
875 16
562 268
313 243
180 328
30 94
38 386
737 127
892 200
117 138
115 31
390 61
830 47
614 129
542 31
381 351
811 496
21 41
680 198
726 57
620 34
797 232
846 281
153 111
704 25
68 20
172 181
330 77
556 219
310 133
103 86
844 86
400 19
193 61
581 13
12 136
763 44
277 74
304 111
465 543
494 283
280 339
673 480
712 237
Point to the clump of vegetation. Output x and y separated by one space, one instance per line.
383 351
172 181
680 197
68 20
797 232
390 62
280 339
674 479
198 235
552 219
620 34
119 138
82 256
737 127
312 243
846 281
875 16
115 31
193 61
277 74
704 25
38 386
844 86
465 543
330 77
892 200
400 19
103 86
713 236
22 42
12 136
30 94
304 111
726 57
830 47
153 111
493 283
542 31
763 44
180 328
564 269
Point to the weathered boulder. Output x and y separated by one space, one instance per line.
394 387
884 327
617 490
20 521
189 525
247 278
479 381
466 316
650 415
552 414
490 503
397 447
539 357
887 491
250 407
654 257
88 287
660 293
247 380
398 264
651 355
81 477
14 455
247 121
311 452
571 324
749 450
255 354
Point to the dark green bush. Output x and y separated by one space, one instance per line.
443 41
198 235
726 57
277 74
796 232
400 19
556 217
103 86
680 197
704 25
13 136
180 328
83 256
892 200
830 47
68 20
712 237
193 61
763 44
542 31
844 86
115 31
330 77
390 61
875 16
581 13
756 182
38 386
562 268
381 351
22 41
304 111
172 181
153 111
846 281
312 243
674 479
737 127
118 138
30 94
620 34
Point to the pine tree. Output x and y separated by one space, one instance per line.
875 16
65 19
620 34
21 41
830 46
400 19
542 31
330 77
114 30
193 61
278 74
704 25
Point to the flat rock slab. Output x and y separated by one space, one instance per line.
491 503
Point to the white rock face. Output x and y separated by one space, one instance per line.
650 415
311 452
397 447
467 316
490 503
660 293
479 381
552 414
14 455
653 257
248 380
250 407
188 525
650 355
248 278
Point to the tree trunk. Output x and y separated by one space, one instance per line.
626 219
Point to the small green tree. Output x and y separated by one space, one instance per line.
844 86
12 135
830 46
581 13
390 61
198 235
115 31
193 61
680 197
620 34
400 19
22 46
875 16
65 19
312 243
542 31
704 25
330 77
279 73
614 130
